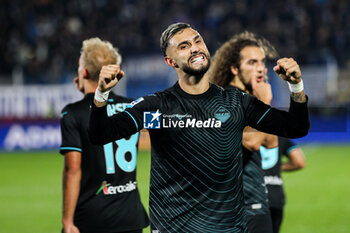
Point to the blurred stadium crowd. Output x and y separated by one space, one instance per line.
42 37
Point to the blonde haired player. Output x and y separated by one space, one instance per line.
99 182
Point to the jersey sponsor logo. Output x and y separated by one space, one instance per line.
222 114
191 123
133 103
108 189
153 120
273 180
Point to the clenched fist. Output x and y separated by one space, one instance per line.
109 77
288 69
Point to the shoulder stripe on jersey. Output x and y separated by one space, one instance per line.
291 148
137 128
263 115
71 148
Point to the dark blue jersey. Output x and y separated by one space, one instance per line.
196 140
109 199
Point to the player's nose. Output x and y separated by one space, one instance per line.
260 67
195 48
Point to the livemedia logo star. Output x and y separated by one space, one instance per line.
151 120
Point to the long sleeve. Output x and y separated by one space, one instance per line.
292 124
104 129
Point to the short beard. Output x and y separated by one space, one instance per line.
197 73
248 87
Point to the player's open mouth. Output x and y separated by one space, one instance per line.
199 59
260 78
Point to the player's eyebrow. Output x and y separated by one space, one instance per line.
188 41
256 60
196 37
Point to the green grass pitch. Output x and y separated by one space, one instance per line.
317 197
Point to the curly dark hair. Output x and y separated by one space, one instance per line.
229 55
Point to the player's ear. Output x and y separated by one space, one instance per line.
234 70
85 73
170 62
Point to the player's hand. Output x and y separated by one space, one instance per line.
288 69
262 90
70 228
109 77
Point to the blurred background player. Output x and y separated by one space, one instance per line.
273 165
240 63
100 193
248 52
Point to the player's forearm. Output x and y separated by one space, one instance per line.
288 166
103 129
100 104
297 121
252 139
71 188
270 141
299 97
292 124
296 160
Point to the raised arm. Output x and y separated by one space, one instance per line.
289 70
108 78
104 129
294 123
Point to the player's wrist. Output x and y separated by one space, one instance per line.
296 87
101 96
67 221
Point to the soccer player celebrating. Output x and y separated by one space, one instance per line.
240 64
99 182
196 136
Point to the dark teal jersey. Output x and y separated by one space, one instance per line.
272 170
255 192
196 172
109 200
